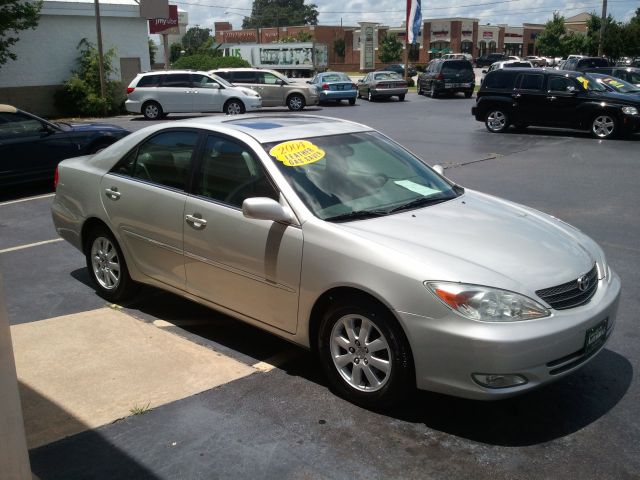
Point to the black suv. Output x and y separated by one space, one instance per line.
586 63
450 76
554 98
488 60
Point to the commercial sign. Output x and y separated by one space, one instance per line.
487 34
289 56
166 25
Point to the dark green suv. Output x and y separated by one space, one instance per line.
447 76
554 98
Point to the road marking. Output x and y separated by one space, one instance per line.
37 244
276 360
37 197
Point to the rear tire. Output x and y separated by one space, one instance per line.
107 266
401 98
420 91
496 121
152 110
468 94
433 93
234 107
352 101
365 354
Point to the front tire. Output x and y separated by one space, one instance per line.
234 107
496 121
107 267
295 102
152 110
401 98
604 126
365 354
420 91
370 97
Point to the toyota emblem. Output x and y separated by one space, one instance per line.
583 283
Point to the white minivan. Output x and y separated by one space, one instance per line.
155 94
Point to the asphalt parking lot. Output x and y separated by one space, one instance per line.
283 422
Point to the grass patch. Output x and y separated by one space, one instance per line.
140 410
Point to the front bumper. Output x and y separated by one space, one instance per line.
448 350
253 104
631 123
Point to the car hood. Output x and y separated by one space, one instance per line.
93 127
477 238
627 98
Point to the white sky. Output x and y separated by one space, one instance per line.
391 12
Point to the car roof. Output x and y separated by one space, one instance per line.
279 127
4 108
169 72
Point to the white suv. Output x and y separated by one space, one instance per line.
155 94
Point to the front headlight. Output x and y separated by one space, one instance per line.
486 304
630 110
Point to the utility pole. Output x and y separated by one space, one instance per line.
603 21
100 56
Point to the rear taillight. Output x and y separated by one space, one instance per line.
130 90
55 179
325 86
354 86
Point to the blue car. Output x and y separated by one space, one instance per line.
31 147
334 86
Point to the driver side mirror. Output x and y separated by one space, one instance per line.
262 208
281 82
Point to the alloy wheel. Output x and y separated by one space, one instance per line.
496 121
234 108
360 353
603 126
105 263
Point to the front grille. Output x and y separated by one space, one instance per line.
569 295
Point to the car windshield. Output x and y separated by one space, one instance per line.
617 84
350 176
590 83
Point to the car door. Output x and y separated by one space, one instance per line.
144 198
174 94
208 95
363 85
249 266
30 148
563 98
529 99
272 89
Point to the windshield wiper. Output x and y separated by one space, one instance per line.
419 202
356 215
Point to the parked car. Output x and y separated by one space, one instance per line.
457 56
156 94
488 60
334 86
377 85
536 61
399 69
506 64
275 89
31 147
552 98
614 84
450 76
628 74
407 279
585 63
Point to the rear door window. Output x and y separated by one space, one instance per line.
244 77
179 80
530 81
499 79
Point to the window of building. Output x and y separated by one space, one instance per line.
466 47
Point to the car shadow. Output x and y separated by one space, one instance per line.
558 132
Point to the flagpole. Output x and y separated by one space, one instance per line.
406 43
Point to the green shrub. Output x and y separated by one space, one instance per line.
80 94
411 82
207 62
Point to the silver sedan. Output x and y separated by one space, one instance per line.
332 236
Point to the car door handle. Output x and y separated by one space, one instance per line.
112 193
196 221
516 95
551 99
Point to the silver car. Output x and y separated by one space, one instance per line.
332 236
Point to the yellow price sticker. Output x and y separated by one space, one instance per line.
584 82
296 153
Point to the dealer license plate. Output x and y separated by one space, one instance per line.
457 85
595 337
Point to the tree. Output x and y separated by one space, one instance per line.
574 42
81 93
631 36
549 42
153 49
174 52
280 13
15 16
195 40
390 49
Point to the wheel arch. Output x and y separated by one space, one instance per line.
90 224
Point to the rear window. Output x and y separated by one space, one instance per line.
456 65
593 63
244 77
499 79
517 65
149 81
